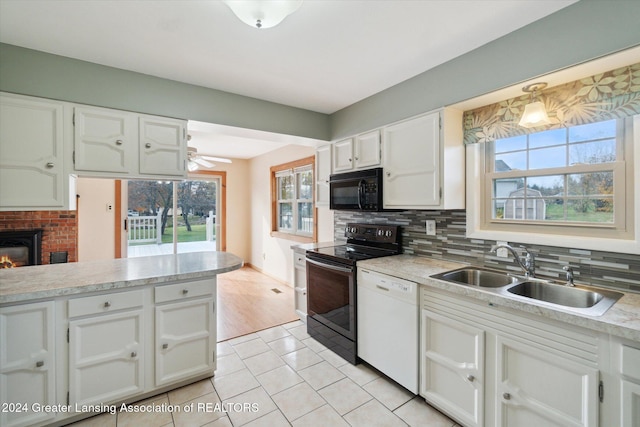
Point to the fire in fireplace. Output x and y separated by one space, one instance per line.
20 248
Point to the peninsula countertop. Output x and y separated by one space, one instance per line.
623 319
53 280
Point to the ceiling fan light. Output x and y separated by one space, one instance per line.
263 13
535 114
192 166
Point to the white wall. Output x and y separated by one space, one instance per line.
96 238
272 255
238 207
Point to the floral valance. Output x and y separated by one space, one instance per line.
613 94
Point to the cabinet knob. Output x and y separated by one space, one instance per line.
388 174
147 145
134 354
471 378
50 165
356 159
349 159
165 346
107 304
118 142
506 396
185 291
39 363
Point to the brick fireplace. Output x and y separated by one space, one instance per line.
59 232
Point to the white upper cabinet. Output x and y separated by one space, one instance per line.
360 152
423 160
118 143
343 155
31 153
323 172
105 140
366 152
163 146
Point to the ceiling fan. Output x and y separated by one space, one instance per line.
197 160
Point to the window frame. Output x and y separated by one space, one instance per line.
624 237
294 167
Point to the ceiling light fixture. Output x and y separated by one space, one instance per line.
535 114
263 13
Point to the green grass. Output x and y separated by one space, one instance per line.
197 234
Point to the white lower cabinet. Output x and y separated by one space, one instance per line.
538 388
490 366
626 363
453 367
27 365
185 326
106 348
300 283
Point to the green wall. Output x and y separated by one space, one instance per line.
36 73
578 33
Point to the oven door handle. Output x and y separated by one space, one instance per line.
330 266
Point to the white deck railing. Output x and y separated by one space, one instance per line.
145 229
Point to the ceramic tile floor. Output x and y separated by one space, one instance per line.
282 377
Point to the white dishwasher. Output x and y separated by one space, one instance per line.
387 314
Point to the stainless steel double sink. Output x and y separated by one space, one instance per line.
578 298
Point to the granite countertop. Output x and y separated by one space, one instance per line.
623 319
54 280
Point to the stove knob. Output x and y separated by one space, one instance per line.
354 230
380 232
388 233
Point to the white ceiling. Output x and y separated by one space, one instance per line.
327 55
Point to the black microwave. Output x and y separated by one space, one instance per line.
356 191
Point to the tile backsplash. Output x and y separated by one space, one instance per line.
607 269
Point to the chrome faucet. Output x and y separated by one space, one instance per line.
527 263
569 271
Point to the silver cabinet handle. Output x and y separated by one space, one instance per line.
165 346
118 142
506 396
147 145
471 378
107 304
39 363
134 354
50 165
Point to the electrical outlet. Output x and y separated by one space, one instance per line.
109 207
502 252
431 227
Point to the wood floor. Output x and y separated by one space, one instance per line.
248 303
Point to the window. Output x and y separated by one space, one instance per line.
293 207
572 179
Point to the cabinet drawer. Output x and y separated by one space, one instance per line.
299 259
186 290
105 303
631 362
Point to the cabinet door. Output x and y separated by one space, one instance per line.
411 153
163 146
27 368
452 367
343 155
323 172
185 340
31 158
104 140
367 150
630 404
536 388
105 360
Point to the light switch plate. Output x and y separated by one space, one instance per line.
431 227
